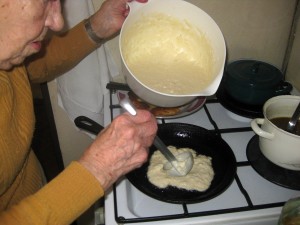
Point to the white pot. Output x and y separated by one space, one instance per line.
279 146
183 11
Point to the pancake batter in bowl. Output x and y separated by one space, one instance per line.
168 55
199 178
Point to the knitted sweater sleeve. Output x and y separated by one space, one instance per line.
60 54
59 202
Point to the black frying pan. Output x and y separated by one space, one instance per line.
203 142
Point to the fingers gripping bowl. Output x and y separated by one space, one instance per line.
172 52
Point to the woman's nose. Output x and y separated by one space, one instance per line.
55 19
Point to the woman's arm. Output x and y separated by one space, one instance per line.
118 149
66 197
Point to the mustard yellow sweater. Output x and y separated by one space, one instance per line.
23 200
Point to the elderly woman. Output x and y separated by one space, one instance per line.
118 149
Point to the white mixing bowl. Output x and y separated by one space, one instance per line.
183 11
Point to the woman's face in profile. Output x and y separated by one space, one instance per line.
23 25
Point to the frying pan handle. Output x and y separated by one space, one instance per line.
88 124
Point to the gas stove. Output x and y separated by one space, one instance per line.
252 198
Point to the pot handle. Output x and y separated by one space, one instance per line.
258 130
284 88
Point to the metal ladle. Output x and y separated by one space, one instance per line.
293 121
180 165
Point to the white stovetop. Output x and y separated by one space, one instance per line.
134 204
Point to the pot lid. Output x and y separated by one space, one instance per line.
255 73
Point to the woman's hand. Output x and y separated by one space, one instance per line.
120 147
108 20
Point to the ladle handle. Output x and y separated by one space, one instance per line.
292 123
158 143
125 104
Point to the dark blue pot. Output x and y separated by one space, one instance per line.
254 82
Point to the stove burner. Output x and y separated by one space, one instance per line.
249 111
268 170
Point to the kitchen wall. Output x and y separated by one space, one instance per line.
293 69
256 29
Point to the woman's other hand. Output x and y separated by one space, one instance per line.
120 147
108 20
